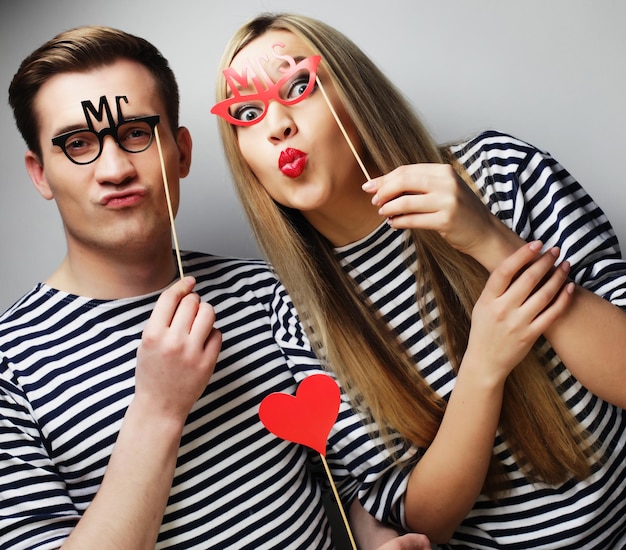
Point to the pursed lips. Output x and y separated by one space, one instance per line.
292 162
128 197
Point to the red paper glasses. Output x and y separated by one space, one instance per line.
249 108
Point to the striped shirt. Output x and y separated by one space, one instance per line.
67 376
532 194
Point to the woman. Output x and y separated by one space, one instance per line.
520 443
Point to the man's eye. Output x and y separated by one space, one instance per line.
76 144
134 135
247 113
137 133
81 142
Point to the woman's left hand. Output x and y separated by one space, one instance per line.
371 534
410 541
433 197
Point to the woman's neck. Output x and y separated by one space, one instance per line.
343 226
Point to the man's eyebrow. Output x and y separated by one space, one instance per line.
81 126
70 128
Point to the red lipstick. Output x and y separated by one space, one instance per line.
292 162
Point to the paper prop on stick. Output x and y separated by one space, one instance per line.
249 107
169 203
133 135
253 89
307 419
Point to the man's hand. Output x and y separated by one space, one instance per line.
178 352
175 360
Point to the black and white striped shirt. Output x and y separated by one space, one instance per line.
531 193
67 376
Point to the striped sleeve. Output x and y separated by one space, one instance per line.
67 376
535 196
36 508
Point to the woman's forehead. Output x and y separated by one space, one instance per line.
271 51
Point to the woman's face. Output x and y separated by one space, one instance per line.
296 148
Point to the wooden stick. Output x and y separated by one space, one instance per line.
341 127
169 202
339 505
345 134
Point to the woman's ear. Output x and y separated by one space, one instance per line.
183 141
34 167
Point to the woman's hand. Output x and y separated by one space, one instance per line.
521 300
371 534
410 541
433 197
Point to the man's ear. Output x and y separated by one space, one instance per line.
183 141
34 167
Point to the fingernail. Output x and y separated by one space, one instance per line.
367 186
535 245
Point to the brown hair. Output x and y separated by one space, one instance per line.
347 331
79 50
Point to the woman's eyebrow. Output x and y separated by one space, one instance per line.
250 89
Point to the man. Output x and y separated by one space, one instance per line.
111 439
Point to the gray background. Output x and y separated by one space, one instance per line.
551 72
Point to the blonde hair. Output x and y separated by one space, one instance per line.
346 330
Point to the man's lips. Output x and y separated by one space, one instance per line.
292 162
123 199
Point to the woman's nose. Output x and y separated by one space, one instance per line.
279 121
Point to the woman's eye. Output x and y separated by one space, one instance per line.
298 87
248 113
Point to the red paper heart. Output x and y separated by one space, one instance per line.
308 417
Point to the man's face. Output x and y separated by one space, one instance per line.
117 202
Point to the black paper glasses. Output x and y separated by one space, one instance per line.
84 146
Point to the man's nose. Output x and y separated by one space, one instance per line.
114 164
